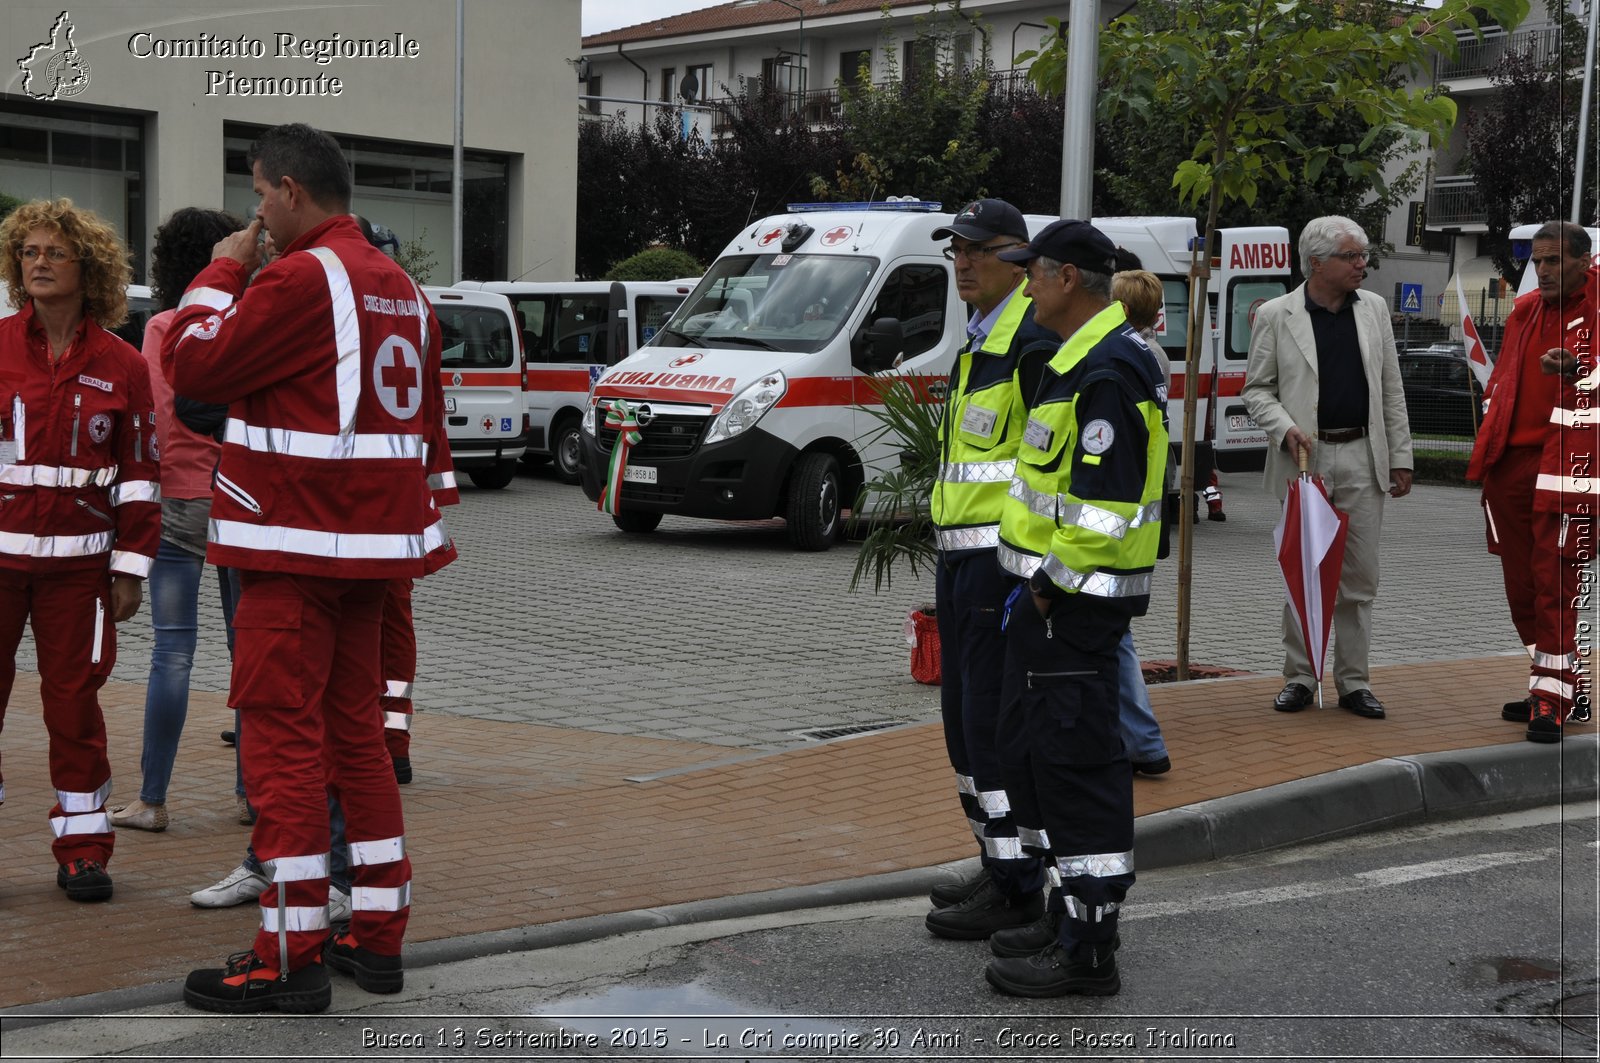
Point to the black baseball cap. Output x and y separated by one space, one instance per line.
984 219
1071 242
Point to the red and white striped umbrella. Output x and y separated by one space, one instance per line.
1310 540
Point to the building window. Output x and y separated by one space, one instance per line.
407 188
921 58
595 88
855 68
94 158
961 51
697 82
669 84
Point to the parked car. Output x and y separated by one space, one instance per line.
1450 349
1443 397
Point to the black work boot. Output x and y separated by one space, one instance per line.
1087 970
986 911
245 984
946 894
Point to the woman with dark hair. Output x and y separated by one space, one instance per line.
182 248
79 502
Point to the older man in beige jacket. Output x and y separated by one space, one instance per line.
1324 377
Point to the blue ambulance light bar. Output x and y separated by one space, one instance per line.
920 206
1522 250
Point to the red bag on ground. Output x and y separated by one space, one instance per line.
922 635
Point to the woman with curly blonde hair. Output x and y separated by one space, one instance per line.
80 511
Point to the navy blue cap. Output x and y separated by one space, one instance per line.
984 219
1071 242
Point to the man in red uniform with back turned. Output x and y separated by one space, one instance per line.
1536 455
329 365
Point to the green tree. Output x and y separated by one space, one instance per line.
1244 73
9 203
656 264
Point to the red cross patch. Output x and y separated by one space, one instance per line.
837 235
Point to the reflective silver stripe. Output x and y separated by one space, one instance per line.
91 823
56 476
55 545
396 688
135 491
1039 503
1097 865
1587 418
381 851
1052 877
238 494
290 918
129 563
74 801
995 803
1094 518
1532 649
1561 662
977 472
966 784
397 721
1076 909
211 298
1037 839
1003 848
1547 685
1015 561
380 898
346 338
1099 584
321 445
342 545
296 868
978 828
982 537
1568 485
440 481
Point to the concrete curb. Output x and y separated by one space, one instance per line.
1384 793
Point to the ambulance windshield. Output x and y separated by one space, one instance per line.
770 302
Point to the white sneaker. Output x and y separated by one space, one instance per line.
241 885
339 908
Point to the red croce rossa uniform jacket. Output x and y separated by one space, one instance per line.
329 365
79 480
1569 476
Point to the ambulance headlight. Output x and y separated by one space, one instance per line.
589 418
748 407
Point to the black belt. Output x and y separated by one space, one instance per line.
1342 435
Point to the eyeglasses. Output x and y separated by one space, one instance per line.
1352 256
978 252
55 255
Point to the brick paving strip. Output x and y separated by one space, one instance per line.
513 824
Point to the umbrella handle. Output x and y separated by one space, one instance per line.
1304 457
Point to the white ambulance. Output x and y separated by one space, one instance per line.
484 379
571 332
748 398
1251 265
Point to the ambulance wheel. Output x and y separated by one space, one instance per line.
634 521
565 444
494 477
813 512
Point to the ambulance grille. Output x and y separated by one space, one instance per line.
828 734
667 436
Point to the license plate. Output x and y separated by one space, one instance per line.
1241 423
449 404
639 474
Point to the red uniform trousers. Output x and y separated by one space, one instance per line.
306 682
63 606
1545 575
399 667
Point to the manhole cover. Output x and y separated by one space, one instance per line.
1578 1013
826 734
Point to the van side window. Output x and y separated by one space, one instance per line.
580 333
533 318
474 338
650 313
916 296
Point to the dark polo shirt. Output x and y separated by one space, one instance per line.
1341 378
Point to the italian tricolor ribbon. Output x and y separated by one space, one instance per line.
622 416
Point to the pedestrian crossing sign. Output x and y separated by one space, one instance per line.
1410 298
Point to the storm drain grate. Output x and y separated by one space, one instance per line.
828 734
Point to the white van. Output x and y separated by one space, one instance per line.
484 377
571 332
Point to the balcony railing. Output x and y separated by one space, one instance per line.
1477 59
1455 201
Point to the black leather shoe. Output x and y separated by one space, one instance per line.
1089 970
229 738
946 894
1035 937
1363 703
1159 766
983 913
1292 698
1517 711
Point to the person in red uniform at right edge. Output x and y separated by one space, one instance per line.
329 365
1535 456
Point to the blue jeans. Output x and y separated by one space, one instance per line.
1141 734
174 596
